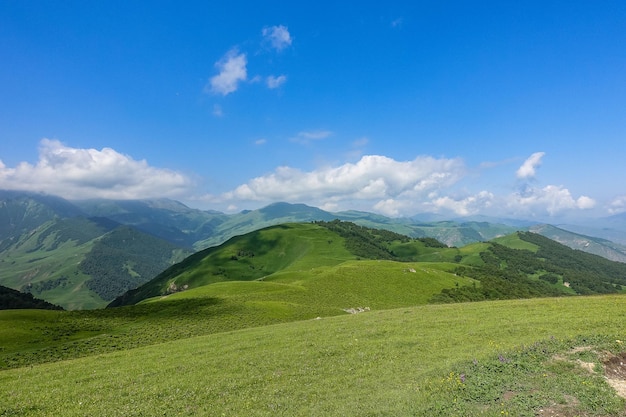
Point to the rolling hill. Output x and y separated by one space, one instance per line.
331 318
45 239
520 265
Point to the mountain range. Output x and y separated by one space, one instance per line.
83 254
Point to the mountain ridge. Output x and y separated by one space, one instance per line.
33 227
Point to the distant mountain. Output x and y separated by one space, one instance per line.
611 228
82 254
594 245
273 214
163 218
21 212
50 249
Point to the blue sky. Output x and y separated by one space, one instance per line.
514 109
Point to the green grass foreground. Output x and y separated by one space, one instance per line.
478 359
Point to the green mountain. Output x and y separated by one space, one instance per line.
597 246
308 253
44 240
51 252
198 229
163 218
520 265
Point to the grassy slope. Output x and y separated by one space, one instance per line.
514 242
223 306
436 360
439 360
32 261
52 254
288 247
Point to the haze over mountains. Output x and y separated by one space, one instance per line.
83 254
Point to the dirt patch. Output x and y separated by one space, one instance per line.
508 395
615 372
569 409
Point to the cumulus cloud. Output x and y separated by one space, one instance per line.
554 199
277 37
465 206
232 70
375 179
529 167
89 173
275 82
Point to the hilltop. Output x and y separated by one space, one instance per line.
520 265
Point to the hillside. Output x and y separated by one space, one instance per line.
44 240
305 249
523 265
163 218
341 315
597 246
50 250
12 299
541 357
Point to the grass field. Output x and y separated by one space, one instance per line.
489 359
42 336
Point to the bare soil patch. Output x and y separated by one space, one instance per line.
615 372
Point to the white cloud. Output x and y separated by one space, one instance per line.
379 181
306 137
390 207
529 167
260 142
465 206
89 173
553 199
275 82
277 36
618 205
232 70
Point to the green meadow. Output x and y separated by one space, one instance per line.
489 359
302 320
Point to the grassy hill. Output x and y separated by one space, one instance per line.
521 265
302 250
267 324
517 358
69 253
